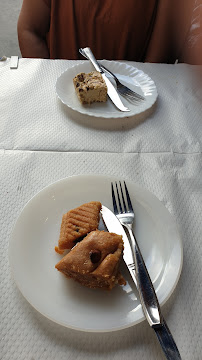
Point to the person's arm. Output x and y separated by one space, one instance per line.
33 25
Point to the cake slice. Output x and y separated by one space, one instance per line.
90 87
94 262
77 223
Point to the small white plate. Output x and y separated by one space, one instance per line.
130 76
32 256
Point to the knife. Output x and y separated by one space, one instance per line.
111 91
161 329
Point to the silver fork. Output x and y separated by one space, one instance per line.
122 89
123 210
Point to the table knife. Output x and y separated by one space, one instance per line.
158 325
111 91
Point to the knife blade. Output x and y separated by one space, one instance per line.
111 91
161 329
113 225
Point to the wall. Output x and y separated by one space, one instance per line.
9 12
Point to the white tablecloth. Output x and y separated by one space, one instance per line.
43 141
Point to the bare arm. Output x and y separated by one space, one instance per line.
33 25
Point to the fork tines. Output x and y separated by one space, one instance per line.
120 197
130 94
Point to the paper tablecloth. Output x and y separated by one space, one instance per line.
35 119
159 153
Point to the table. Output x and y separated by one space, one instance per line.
43 141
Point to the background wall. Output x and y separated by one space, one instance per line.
9 12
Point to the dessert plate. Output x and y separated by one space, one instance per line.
32 256
129 75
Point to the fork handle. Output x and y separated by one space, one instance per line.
109 72
145 287
104 69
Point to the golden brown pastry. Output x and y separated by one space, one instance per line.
94 262
77 223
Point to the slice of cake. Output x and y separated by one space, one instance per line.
90 87
77 223
94 262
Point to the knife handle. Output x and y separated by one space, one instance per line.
167 342
146 290
89 55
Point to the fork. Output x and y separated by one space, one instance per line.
122 89
123 210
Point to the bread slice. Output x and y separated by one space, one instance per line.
94 262
77 223
90 87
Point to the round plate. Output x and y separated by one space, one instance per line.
130 76
32 256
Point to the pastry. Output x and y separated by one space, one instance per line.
90 87
94 262
77 223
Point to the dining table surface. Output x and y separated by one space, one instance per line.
160 150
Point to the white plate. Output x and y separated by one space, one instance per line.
136 79
32 256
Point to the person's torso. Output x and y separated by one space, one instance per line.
113 29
